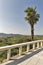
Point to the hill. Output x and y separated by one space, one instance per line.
8 35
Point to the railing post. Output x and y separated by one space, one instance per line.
8 54
38 45
33 46
27 48
20 50
41 44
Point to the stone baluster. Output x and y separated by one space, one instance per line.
20 50
8 54
37 44
27 48
41 44
33 46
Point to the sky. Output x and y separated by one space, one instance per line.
12 16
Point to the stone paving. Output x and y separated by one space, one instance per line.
34 58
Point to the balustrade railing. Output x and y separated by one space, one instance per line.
35 45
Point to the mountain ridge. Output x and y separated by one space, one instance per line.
11 34
8 35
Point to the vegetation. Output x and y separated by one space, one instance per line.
16 39
32 17
13 40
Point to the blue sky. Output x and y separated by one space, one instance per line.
12 16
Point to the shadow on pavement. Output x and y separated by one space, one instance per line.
17 61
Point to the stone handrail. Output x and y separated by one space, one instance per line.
9 47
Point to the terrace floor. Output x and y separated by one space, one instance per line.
32 58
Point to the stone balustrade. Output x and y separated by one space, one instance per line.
35 45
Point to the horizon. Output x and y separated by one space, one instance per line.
12 17
18 34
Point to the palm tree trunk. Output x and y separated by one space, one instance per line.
32 31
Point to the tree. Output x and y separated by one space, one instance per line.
32 17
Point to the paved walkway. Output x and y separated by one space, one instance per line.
34 58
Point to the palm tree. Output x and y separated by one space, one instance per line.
32 17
